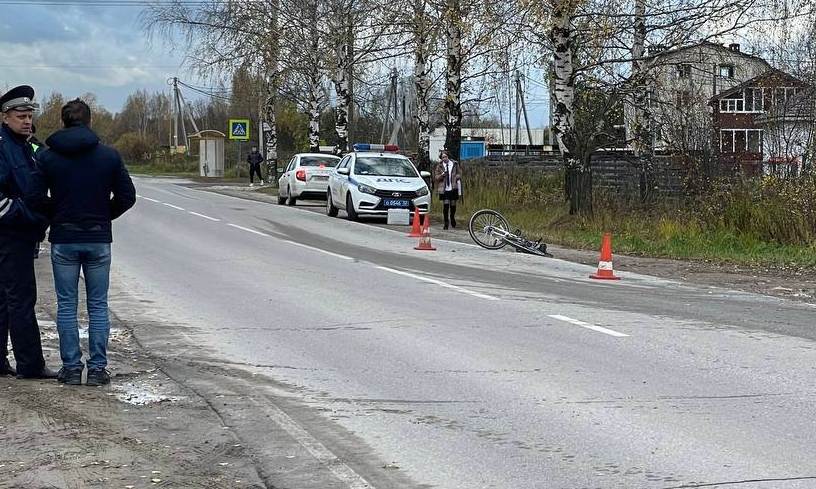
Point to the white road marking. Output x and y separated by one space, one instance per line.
151 200
173 206
440 283
248 230
319 451
336 255
205 217
599 329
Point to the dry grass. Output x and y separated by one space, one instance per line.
767 222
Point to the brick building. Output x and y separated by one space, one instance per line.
738 123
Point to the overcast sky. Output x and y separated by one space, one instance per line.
74 49
99 46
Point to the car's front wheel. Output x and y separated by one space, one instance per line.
352 213
331 210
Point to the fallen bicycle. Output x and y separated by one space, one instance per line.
490 230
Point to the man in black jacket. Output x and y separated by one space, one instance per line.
20 230
90 187
255 158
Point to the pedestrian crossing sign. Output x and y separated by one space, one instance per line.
239 129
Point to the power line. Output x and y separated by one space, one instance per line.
84 67
205 92
110 3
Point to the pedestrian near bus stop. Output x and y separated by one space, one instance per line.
21 229
255 158
448 179
89 187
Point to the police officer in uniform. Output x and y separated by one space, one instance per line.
20 232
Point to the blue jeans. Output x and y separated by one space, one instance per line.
94 259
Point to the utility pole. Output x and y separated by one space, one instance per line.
517 87
178 119
174 142
391 102
510 118
520 91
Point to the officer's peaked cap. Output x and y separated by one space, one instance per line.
18 98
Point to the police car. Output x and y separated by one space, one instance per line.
373 179
305 177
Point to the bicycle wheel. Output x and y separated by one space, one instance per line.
481 224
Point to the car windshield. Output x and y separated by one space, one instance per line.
327 161
384 167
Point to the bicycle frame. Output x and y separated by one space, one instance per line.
520 243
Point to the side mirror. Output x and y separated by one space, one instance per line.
281 171
425 174
343 171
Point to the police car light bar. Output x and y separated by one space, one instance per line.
375 147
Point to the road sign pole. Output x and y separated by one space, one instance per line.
239 131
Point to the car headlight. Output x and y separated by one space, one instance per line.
365 188
422 192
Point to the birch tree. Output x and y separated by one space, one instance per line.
602 44
423 41
219 37
477 36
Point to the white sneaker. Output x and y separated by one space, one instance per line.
262 182
251 184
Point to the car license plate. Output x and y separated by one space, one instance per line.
320 178
395 203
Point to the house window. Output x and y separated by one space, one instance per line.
781 95
732 105
749 100
755 141
756 96
684 71
726 141
682 99
740 140
726 71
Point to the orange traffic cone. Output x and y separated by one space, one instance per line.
605 271
416 227
425 239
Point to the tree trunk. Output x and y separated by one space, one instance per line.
343 97
579 181
314 114
351 114
453 86
563 104
422 83
641 124
314 81
271 130
270 116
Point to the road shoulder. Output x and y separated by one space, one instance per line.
789 283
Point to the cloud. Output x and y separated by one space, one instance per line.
75 50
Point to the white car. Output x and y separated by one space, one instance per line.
368 182
305 177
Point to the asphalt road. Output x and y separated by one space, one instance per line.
466 368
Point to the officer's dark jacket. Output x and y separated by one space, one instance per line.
17 221
89 185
